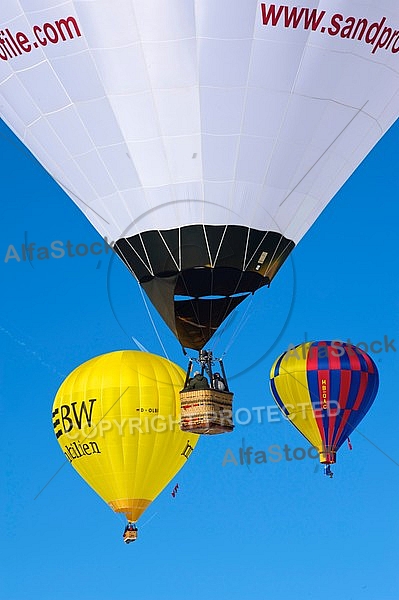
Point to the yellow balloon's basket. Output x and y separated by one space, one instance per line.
130 536
206 411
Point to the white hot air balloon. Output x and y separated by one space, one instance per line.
204 137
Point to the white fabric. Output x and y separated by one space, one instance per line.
169 113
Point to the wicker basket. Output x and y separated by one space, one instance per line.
130 536
206 411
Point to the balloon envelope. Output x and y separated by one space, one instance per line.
325 389
116 418
202 138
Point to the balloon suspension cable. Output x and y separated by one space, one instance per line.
242 322
244 318
139 344
153 323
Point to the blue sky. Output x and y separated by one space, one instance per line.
277 530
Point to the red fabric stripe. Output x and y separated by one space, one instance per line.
312 358
364 378
353 358
343 423
334 361
342 400
331 427
324 388
344 388
320 425
323 379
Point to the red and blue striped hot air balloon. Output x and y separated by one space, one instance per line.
325 389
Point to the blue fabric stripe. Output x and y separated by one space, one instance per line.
353 389
278 363
326 422
362 360
313 387
369 395
322 365
344 359
347 430
277 398
322 356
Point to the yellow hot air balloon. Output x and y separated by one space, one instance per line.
116 418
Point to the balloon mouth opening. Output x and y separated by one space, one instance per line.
328 457
132 508
179 297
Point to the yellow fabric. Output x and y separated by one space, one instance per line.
292 388
117 421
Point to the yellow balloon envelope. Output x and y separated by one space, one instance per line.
116 418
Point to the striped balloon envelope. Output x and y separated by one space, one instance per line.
325 389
